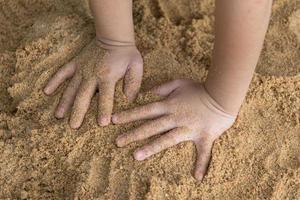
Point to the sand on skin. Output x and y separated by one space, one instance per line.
43 158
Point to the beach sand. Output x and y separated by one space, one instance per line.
43 158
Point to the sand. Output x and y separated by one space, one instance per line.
43 158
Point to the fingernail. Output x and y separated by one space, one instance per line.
103 121
199 176
74 126
119 141
114 119
46 91
59 113
139 155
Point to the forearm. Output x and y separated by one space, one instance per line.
239 34
113 21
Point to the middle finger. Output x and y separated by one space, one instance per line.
147 130
82 101
149 111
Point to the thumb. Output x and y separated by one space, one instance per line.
168 87
203 157
133 80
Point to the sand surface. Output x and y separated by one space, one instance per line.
43 158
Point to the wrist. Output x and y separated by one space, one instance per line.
210 101
110 44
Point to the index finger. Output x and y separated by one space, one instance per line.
148 111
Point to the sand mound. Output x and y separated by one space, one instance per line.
43 158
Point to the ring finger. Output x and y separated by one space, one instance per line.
68 97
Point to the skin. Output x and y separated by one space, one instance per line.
190 111
111 56
113 20
240 31
239 34
186 114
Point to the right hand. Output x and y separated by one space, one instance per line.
96 68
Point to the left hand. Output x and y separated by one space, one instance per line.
187 114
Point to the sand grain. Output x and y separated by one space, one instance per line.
43 158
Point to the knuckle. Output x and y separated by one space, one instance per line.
105 73
171 101
167 137
150 108
163 143
172 119
180 81
160 105
171 138
150 148
80 102
60 75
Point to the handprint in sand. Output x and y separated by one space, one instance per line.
187 113
97 67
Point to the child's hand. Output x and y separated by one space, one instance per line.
187 114
96 68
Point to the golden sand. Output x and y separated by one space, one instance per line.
43 158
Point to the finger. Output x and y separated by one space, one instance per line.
68 97
82 102
203 158
133 80
148 111
105 102
147 130
167 88
63 73
167 140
